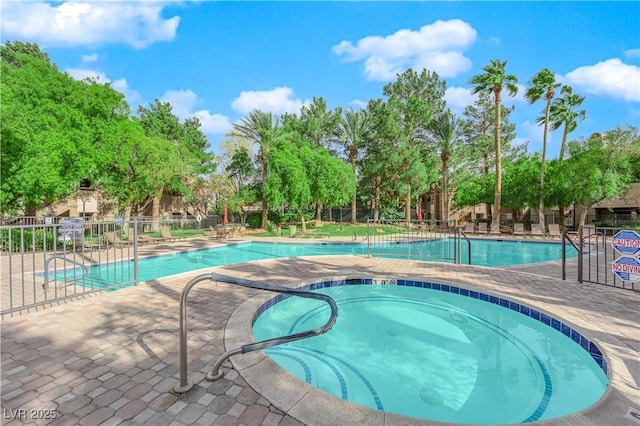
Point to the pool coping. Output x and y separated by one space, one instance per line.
313 406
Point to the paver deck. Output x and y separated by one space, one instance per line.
112 358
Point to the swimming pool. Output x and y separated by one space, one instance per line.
438 352
484 252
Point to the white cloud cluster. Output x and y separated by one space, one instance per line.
437 47
184 102
276 101
458 98
611 78
138 24
132 96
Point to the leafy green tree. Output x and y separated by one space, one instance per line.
263 129
542 84
493 80
354 130
240 171
413 100
53 129
603 166
520 189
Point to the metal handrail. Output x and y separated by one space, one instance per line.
184 384
462 233
45 285
565 238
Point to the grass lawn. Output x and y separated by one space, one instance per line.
334 230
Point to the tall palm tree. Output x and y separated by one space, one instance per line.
354 128
494 79
445 134
262 128
542 84
563 112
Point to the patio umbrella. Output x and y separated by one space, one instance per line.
419 212
225 215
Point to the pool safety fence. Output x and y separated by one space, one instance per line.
429 240
597 257
46 263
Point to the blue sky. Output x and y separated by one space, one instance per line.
220 60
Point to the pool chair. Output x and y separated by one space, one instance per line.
518 229
495 229
536 230
482 228
554 231
148 239
469 228
166 234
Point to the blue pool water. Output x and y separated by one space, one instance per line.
484 253
437 355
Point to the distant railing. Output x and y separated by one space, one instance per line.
431 240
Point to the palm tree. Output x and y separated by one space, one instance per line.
445 134
543 83
493 80
263 129
354 128
563 111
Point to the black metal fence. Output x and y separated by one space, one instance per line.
606 256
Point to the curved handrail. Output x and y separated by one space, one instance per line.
184 384
45 285
464 235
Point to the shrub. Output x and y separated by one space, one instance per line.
254 220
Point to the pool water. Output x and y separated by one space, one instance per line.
483 253
434 355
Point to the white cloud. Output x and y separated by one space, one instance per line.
358 104
533 133
184 102
608 78
90 58
632 53
138 24
458 98
132 96
276 101
437 47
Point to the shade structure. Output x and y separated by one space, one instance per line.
225 215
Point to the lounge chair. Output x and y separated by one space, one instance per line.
482 228
495 229
114 240
518 229
536 230
469 228
554 231
144 238
221 233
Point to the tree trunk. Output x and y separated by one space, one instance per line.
486 172
376 207
318 211
542 164
303 225
354 219
583 215
155 214
561 214
498 191
265 213
407 208
445 195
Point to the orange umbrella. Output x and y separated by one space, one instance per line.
419 212
225 215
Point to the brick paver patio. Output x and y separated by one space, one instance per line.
112 358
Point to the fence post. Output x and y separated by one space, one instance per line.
135 251
580 252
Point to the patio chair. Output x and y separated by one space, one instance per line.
554 231
166 234
495 229
469 228
144 238
536 230
221 233
518 229
482 228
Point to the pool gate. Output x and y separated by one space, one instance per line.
428 240
64 258
596 256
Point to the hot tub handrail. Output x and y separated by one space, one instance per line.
184 384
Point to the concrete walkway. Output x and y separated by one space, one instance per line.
112 358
